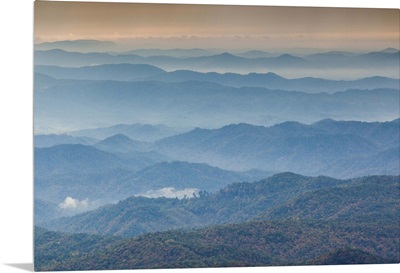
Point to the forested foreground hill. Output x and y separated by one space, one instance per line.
254 243
284 196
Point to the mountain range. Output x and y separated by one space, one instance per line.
253 243
43 140
302 225
78 45
177 158
117 72
198 104
200 160
136 131
116 168
336 148
285 64
131 72
282 196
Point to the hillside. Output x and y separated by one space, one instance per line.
349 256
256 243
181 175
52 247
74 158
342 149
111 183
245 201
120 143
353 202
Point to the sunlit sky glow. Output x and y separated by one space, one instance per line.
208 26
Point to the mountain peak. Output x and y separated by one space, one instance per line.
287 56
390 50
117 138
120 143
324 121
226 56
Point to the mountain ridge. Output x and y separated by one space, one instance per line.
235 203
328 146
141 72
228 62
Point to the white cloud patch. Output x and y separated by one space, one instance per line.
171 192
74 204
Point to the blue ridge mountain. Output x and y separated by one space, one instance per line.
59 57
176 52
181 175
387 62
253 243
391 50
130 72
118 72
86 173
78 45
256 54
74 158
201 104
282 196
274 81
349 255
335 148
136 131
353 202
329 221
43 140
120 143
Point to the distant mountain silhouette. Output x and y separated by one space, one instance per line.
73 158
390 50
136 131
42 140
197 103
58 57
120 143
119 72
256 54
177 52
228 62
78 45
181 175
274 81
138 72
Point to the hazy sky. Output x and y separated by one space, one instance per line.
171 26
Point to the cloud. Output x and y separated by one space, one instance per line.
171 192
74 204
